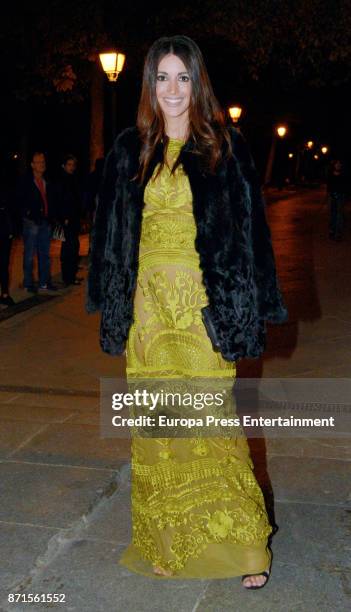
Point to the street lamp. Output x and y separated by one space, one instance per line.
324 150
303 160
112 64
278 130
291 155
235 113
307 160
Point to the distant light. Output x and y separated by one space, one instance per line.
235 113
291 155
324 150
15 156
310 144
112 64
316 156
281 131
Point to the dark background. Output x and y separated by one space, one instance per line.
282 61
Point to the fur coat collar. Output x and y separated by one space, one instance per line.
233 241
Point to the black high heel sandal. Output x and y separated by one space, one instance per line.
255 587
266 573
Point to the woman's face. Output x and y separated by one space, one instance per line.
173 87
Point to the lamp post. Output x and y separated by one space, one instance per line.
302 161
112 64
325 151
278 131
308 156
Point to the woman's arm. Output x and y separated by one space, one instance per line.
108 277
270 299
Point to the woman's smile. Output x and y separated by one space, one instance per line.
173 101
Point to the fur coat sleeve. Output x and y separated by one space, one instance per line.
106 287
271 305
236 254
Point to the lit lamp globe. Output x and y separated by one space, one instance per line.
310 144
235 113
281 131
324 150
112 64
291 155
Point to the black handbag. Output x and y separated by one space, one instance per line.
210 328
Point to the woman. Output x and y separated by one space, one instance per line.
180 225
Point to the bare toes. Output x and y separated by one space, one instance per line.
159 571
251 581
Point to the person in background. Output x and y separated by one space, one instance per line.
35 199
69 211
6 235
337 189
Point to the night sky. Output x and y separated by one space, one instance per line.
311 93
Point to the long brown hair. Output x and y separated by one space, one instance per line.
206 120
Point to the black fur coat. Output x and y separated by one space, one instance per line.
233 241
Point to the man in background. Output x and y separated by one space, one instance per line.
36 203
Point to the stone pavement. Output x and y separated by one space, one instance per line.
65 510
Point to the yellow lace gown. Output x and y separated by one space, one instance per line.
197 509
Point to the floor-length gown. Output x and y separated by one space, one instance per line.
197 509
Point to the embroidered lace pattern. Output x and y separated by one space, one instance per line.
188 494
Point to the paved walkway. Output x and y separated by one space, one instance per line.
64 514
